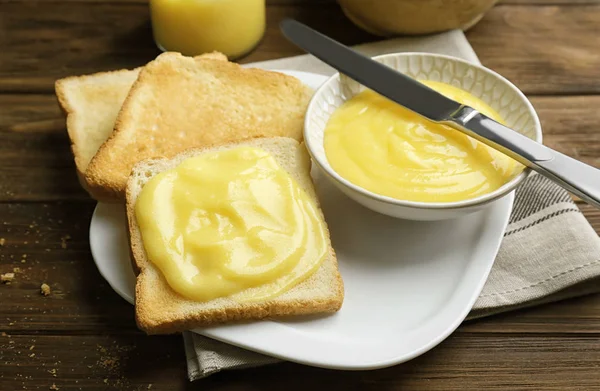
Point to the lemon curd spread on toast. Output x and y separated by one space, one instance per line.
389 150
230 223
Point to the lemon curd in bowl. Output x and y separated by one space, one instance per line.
391 151
458 79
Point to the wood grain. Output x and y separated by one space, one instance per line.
487 362
83 336
122 38
570 125
546 2
99 362
37 164
305 3
568 317
269 3
35 153
48 243
543 49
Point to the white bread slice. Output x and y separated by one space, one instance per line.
160 310
91 104
181 102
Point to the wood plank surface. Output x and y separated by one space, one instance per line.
35 154
98 362
484 362
48 243
570 125
541 2
122 40
544 49
83 336
37 164
305 3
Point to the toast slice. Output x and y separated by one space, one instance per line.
91 104
182 102
161 310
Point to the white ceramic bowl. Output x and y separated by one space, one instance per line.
483 83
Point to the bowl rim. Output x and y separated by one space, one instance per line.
477 201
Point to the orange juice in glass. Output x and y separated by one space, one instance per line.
193 27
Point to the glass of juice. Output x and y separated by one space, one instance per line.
193 27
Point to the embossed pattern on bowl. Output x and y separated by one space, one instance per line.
483 83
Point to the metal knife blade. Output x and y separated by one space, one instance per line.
410 93
380 78
575 176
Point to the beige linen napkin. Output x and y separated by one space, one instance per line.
549 251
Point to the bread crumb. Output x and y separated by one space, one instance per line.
109 363
54 387
7 278
16 270
32 355
2 241
150 386
63 241
31 347
23 261
24 256
45 289
52 372
3 334
105 381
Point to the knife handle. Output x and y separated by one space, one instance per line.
575 176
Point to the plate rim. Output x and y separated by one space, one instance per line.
251 343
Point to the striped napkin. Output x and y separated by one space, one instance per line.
549 252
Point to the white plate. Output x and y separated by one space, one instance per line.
408 284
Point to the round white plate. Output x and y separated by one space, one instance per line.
408 284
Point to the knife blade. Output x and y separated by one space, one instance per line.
386 81
575 176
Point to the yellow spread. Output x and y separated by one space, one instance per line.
389 150
230 223
193 27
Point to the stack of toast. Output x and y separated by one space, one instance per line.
127 126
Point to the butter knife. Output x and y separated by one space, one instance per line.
575 176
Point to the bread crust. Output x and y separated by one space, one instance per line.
147 127
118 82
72 115
160 310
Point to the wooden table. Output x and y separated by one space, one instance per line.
83 335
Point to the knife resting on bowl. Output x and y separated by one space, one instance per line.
575 176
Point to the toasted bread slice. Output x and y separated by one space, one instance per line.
180 102
160 310
91 104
